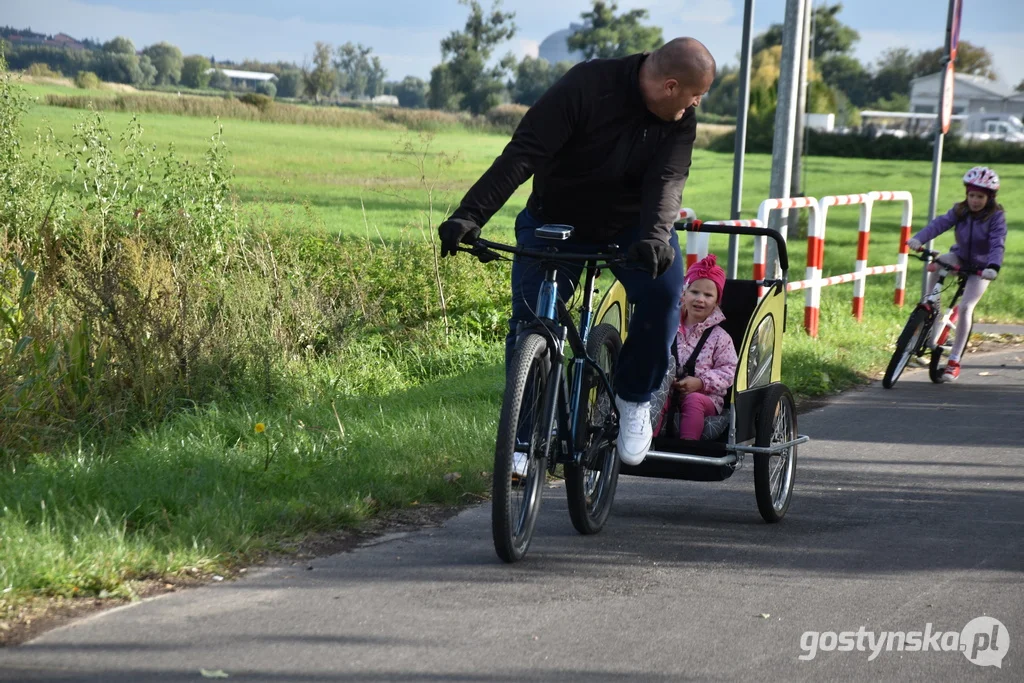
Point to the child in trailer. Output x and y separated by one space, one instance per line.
704 355
979 229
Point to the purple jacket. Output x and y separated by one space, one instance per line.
979 242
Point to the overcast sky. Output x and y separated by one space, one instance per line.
406 34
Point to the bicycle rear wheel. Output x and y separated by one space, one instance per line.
910 340
590 485
516 499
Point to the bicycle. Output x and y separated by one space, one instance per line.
553 415
916 338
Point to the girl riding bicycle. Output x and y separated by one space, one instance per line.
979 224
705 355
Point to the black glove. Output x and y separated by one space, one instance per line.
456 230
652 255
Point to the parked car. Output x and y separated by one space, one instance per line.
995 126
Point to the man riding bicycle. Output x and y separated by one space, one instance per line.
609 147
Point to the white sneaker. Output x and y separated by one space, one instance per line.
520 464
634 431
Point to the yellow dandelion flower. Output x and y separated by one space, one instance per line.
260 427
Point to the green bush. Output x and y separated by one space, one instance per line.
954 148
423 119
226 106
219 81
267 88
87 80
147 291
505 117
25 178
760 135
760 140
39 69
708 117
255 99
983 152
57 59
868 147
289 83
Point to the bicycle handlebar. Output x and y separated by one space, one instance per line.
931 256
485 251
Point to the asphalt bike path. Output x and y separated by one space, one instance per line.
907 517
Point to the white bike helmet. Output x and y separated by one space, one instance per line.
982 177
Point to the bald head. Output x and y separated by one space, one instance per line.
684 59
674 77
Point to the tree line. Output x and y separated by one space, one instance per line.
470 78
837 81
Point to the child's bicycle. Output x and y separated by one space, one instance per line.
553 415
915 340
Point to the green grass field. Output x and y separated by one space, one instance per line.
367 182
197 491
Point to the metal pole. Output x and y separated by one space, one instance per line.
933 200
785 118
796 188
742 109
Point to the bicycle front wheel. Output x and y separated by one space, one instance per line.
590 484
910 340
516 497
936 369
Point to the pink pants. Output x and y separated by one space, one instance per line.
692 411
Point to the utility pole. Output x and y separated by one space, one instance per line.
796 180
785 121
742 109
945 109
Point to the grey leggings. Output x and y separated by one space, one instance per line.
976 286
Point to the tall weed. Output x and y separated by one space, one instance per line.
151 292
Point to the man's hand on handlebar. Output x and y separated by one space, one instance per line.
455 231
652 255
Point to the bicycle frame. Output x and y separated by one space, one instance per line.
554 321
931 302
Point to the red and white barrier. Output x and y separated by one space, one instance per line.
694 241
813 281
863 242
905 231
697 247
766 207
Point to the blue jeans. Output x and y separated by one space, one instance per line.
656 305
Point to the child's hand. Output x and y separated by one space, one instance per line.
989 273
688 385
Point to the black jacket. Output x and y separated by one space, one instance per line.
600 160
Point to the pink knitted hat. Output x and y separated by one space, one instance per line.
707 269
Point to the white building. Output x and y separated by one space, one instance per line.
249 78
971 94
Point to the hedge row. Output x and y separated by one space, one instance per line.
886 147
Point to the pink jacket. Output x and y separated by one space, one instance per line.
716 364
